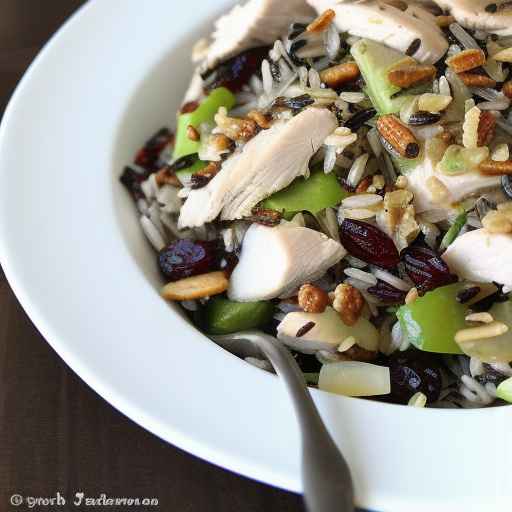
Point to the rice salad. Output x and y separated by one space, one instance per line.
340 178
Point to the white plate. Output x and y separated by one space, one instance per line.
77 261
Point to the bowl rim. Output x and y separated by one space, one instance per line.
287 475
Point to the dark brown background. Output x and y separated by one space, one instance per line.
56 434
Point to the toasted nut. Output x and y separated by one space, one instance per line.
348 302
466 60
398 136
165 177
340 74
402 182
191 106
470 128
202 177
444 21
477 80
438 191
505 207
322 22
497 222
363 185
235 128
221 143
378 182
486 128
500 153
446 137
503 55
192 133
483 318
507 89
492 168
411 75
259 118
265 216
357 353
196 287
411 296
433 103
312 299
481 333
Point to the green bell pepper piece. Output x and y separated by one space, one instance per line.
223 316
431 321
314 194
205 113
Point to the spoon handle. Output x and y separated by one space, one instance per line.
326 476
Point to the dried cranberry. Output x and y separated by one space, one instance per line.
149 155
426 268
236 72
387 294
185 258
132 179
369 244
411 372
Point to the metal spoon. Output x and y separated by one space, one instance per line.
326 476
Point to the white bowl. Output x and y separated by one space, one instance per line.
75 257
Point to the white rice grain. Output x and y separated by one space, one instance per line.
332 42
498 105
444 87
352 97
314 79
330 159
268 81
356 262
391 279
362 201
357 170
152 233
361 275
467 41
374 141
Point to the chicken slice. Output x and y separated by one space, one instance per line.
473 14
458 187
389 25
257 23
274 262
481 257
267 163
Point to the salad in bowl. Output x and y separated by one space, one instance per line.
340 177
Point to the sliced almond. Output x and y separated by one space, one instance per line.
483 318
322 22
503 55
477 80
411 75
466 60
340 74
196 287
444 21
491 168
434 103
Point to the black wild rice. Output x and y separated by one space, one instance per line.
305 329
413 48
422 118
466 294
359 119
